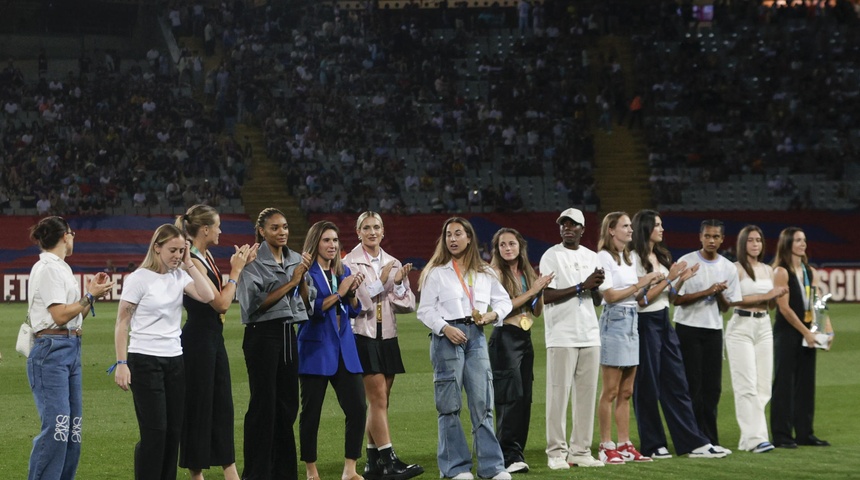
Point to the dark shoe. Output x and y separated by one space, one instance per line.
814 441
391 468
787 444
372 471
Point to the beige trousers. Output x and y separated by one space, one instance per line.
571 377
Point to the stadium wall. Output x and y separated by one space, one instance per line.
412 238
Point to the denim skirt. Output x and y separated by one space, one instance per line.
619 336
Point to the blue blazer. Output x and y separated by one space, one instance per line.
321 343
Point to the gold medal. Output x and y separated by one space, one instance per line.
476 316
807 317
379 312
222 318
526 322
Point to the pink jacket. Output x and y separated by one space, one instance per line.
365 323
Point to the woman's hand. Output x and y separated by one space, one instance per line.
651 279
122 377
488 318
689 273
386 270
350 284
777 292
239 258
454 335
100 285
186 257
402 273
676 270
302 268
540 283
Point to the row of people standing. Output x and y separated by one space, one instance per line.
280 288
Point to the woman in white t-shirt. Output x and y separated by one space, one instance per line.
749 340
151 306
619 336
56 313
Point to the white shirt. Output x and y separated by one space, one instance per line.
662 301
51 283
618 277
443 297
705 313
570 323
762 284
155 325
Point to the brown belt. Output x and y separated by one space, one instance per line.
60 331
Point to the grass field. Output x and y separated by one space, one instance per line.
110 428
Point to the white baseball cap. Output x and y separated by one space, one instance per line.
574 214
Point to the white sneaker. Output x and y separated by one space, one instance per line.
463 476
518 467
707 451
583 461
557 463
502 476
722 449
661 453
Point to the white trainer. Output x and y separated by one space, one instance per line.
722 449
518 467
583 461
502 476
463 476
661 453
707 451
557 463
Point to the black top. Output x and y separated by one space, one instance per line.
795 299
202 314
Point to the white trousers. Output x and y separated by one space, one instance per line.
749 345
571 377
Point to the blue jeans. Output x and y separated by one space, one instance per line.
54 372
456 367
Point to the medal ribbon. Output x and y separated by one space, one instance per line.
807 286
469 291
378 298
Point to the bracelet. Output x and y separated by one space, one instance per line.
339 299
113 367
92 301
234 282
645 297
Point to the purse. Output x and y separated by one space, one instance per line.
26 337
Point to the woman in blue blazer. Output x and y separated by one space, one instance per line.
327 352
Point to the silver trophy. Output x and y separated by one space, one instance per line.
819 320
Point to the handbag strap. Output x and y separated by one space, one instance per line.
30 297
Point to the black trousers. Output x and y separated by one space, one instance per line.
702 350
661 378
158 388
271 357
349 389
792 406
512 358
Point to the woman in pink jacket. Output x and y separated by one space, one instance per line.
384 292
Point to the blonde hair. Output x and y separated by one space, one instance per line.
312 244
162 235
195 218
472 261
605 242
364 216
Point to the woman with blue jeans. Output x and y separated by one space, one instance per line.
457 287
619 336
56 313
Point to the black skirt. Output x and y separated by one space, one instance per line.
379 356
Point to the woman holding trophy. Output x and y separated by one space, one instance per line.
795 343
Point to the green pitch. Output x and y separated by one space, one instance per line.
110 428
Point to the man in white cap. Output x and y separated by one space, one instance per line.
573 344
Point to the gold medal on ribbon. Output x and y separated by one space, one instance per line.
222 318
526 322
476 316
807 317
379 312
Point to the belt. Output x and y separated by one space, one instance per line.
460 321
60 331
747 313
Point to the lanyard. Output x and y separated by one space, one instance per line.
808 287
525 289
470 292
332 287
378 298
210 263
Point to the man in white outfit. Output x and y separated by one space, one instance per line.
573 344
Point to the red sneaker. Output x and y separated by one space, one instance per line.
609 455
629 453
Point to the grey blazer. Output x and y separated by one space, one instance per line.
265 275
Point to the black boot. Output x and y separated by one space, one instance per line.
372 470
394 469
